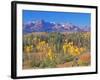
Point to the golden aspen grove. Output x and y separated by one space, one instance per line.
56 49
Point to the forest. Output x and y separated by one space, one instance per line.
56 49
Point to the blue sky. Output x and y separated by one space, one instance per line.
80 19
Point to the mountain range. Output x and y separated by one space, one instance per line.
44 26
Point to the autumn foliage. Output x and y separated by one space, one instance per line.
54 49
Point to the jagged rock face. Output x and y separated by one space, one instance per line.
43 26
39 23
